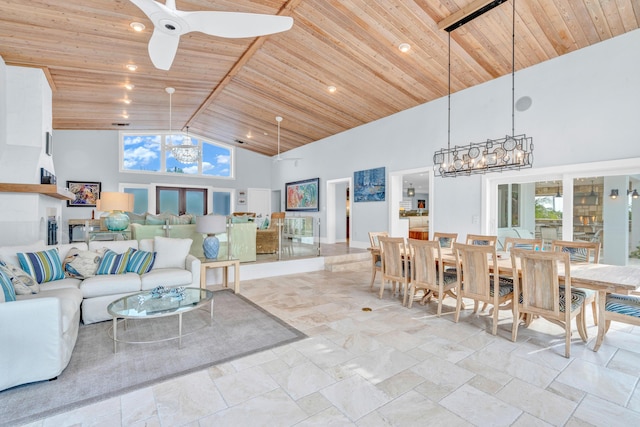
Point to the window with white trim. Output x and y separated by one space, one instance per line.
150 152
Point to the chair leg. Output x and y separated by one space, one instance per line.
594 308
381 288
567 340
494 329
412 295
516 324
373 278
582 325
458 306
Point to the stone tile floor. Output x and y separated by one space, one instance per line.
391 366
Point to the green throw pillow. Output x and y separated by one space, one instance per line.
113 263
141 261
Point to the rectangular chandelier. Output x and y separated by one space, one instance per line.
492 155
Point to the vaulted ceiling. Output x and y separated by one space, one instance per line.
230 90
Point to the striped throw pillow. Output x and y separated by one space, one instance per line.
141 261
44 266
113 263
7 293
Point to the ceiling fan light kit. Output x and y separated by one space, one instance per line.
170 23
493 155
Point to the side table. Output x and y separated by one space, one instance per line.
206 263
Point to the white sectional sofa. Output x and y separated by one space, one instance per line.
38 331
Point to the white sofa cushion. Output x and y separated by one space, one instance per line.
69 282
9 254
171 253
110 284
70 300
167 277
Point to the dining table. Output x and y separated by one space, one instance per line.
602 278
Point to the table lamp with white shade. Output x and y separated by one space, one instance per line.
211 225
116 204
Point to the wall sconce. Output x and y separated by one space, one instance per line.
614 193
634 193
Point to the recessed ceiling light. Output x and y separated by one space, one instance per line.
404 47
126 101
132 67
125 115
249 135
129 86
137 26
332 89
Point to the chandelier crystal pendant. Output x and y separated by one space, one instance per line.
187 152
493 155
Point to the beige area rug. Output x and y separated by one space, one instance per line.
95 373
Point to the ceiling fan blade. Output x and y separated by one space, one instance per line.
162 49
235 24
149 7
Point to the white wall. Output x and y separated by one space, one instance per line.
584 105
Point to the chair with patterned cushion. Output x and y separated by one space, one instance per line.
395 265
478 262
518 243
580 251
619 308
539 292
426 257
479 239
446 240
376 262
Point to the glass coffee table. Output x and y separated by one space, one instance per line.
148 305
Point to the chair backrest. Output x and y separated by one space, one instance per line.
275 218
374 236
446 240
578 251
518 243
425 255
538 284
394 261
477 262
479 240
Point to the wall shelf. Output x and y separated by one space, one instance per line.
50 190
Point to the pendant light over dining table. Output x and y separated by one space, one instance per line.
187 152
493 155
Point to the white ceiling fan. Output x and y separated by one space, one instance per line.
278 158
170 23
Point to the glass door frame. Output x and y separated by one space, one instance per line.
564 173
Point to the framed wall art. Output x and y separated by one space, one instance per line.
369 185
303 195
87 193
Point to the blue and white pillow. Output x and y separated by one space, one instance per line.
23 284
113 263
7 293
44 266
141 261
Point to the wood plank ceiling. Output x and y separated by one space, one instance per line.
232 89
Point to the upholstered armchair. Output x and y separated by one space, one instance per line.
267 239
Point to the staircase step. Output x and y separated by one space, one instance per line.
348 266
354 257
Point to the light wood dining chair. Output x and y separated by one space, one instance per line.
427 273
446 240
478 262
539 292
518 243
479 239
619 308
581 251
376 261
395 265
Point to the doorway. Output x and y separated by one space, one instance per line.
339 221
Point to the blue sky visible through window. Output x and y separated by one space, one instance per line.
143 153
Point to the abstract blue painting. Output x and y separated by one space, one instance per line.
369 185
